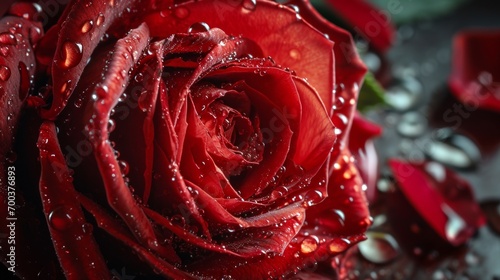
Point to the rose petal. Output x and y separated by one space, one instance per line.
363 149
278 122
77 250
475 77
289 40
345 211
373 24
137 152
302 253
75 47
445 203
316 136
111 226
107 94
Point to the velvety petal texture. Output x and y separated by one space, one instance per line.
188 139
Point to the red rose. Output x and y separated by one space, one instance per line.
189 139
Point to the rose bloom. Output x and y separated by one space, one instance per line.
177 139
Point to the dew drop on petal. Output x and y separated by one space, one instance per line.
87 228
111 125
338 245
198 27
249 5
313 197
124 167
309 245
6 38
455 225
87 26
60 218
100 20
71 54
4 73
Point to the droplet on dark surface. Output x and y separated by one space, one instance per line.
404 94
379 247
412 124
453 149
372 61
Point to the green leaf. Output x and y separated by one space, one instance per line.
371 94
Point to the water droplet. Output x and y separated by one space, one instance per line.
436 170
70 55
100 20
454 225
111 125
198 27
78 103
124 167
7 38
87 26
385 185
60 218
404 93
372 61
313 197
181 12
379 247
338 245
452 149
25 10
4 73
87 228
412 124
309 244
472 259
294 54
249 5
438 275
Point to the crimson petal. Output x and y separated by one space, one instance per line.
287 39
444 201
114 228
75 46
373 24
77 250
475 77
107 95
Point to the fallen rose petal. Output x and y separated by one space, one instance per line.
361 144
475 77
445 201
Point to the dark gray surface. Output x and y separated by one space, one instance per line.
424 52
